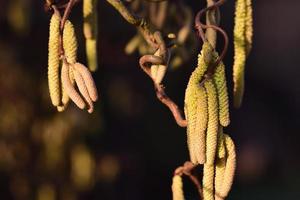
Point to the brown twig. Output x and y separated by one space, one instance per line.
187 170
200 26
156 41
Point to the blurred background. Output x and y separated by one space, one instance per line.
128 148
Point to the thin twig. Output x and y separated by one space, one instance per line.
156 41
187 169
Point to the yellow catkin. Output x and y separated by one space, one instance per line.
219 177
249 26
239 52
177 188
70 42
196 109
70 48
213 122
221 86
53 61
220 164
230 167
208 182
90 29
88 80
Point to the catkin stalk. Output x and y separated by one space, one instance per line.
90 28
53 61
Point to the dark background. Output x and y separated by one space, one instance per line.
132 140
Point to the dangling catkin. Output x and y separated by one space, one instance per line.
83 90
220 164
177 188
239 52
88 80
90 29
68 86
230 167
213 122
53 61
208 182
248 26
196 109
221 87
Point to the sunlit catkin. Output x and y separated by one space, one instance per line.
53 60
83 90
213 122
70 42
220 164
90 29
249 26
196 109
88 80
208 182
221 87
68 86
230 167
239 52
177 188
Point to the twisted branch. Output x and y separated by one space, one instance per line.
157 42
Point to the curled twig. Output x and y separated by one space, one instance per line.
200 26
157 42
187 169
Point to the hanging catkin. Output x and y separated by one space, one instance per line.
90 29
230 166
213 122
177 188
220 164
221 87
53 61
239 52
70 50
208 182
196 109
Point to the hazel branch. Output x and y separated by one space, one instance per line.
156 41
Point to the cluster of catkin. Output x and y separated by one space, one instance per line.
207 112
64 71
243 31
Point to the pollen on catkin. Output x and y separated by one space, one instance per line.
221 87
239 52
196 109
90 29
177 188
213 122
53 61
